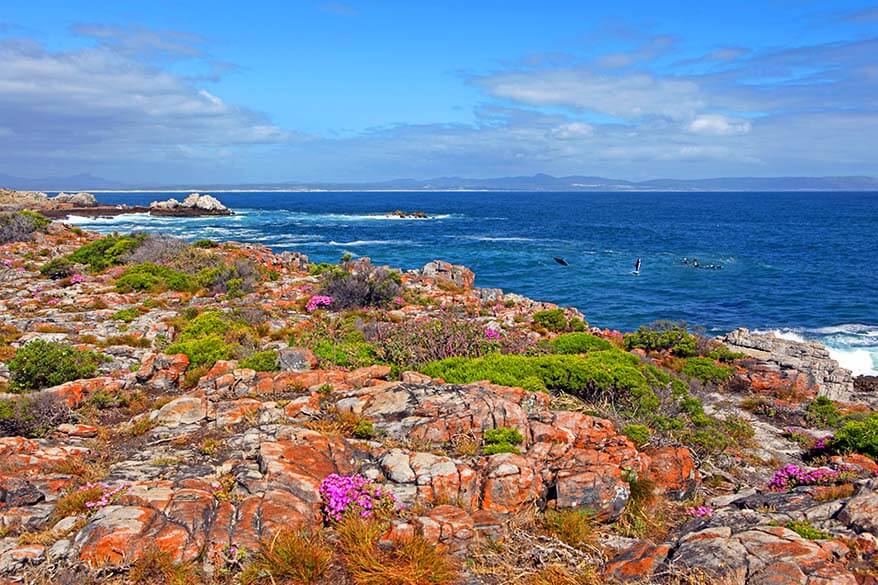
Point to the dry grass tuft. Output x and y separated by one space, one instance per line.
290 557
157 567
411 561
573 527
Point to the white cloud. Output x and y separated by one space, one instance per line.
103 103
718 125
624 96
572 131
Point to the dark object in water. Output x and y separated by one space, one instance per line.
561 261
637 266
695 264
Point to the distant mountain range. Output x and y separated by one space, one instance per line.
539 182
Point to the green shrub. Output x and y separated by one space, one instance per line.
858 436
501 440
205 244
127 315
822 412
262 361
363 429
204 351
806 530
663 336
533 384
706 370
556 320
503 435
107 251
610 374
208 323
573 343
724 354
639 434
41 364
153 277
349 354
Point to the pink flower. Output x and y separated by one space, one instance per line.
342 494
700 511
492 334
790 476
77 278
318 301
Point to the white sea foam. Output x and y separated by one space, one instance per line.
853 345
369 242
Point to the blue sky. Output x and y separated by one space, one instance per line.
167 91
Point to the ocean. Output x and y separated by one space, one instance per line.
801 264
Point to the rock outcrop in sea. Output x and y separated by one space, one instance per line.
220 413
194 203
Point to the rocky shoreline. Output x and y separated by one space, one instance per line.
176 412
65 205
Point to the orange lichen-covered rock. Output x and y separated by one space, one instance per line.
673 471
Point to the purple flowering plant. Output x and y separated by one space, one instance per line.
700 511
354 494
108 494
318 301
790 476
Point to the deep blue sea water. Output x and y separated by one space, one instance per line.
800 263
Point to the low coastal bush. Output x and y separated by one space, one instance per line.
608 374
41 364
556 320
152 277
20 226
573 343
822 412
858 436
157 249
724 354
237 278
349 354
706 370
111 250
663 336
415 343
213 336
501 440
127 315
639 434
261 361
365 287
32 416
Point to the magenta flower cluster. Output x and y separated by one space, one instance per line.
492 334
822 443
318 301
108 494
342 494
790 476
77 278
700 511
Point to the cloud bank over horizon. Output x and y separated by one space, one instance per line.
143 104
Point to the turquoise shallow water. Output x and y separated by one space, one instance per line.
800 263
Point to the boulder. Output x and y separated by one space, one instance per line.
806 357
81 199
441 271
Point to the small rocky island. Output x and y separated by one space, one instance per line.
408 214
85 204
